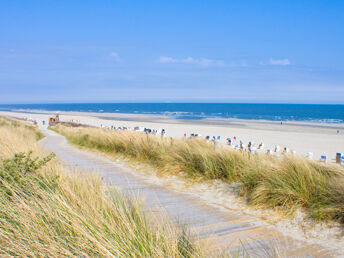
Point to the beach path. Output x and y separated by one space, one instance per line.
222 229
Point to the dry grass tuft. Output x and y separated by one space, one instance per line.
44 212
288 182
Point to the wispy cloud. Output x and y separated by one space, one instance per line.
115 56
166 60
279 61
190 60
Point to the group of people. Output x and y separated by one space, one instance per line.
154 131
161 132
250 147
232 142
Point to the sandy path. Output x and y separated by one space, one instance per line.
224 229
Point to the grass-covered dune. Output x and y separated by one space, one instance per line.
288 182
44 212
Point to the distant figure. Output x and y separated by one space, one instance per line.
249 146
207 137
281 122
337 131
216 143
184 136
241 145
261 146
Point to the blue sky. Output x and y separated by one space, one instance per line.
166 51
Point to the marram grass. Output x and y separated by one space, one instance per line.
288 182
45 212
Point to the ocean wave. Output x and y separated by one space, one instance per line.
326 114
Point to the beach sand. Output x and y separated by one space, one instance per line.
302 137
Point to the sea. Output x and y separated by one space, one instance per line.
318 113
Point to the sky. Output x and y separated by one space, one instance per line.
264 51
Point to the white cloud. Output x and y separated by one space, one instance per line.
166 60
279 61
191 60
115 56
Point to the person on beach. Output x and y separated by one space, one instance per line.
249 146
241 145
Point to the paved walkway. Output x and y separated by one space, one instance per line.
225 230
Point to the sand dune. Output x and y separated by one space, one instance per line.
299 136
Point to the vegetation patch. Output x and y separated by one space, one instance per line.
288 182
44 212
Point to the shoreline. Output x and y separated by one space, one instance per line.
153 117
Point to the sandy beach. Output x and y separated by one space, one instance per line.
301 137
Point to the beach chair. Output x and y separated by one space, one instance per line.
261 146
339 157
310 155
323 158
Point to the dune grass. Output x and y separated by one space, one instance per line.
288 182
45 212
